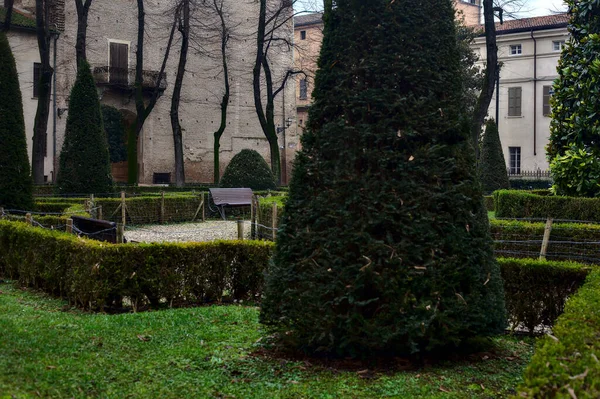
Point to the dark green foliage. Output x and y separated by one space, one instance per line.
248 169
115 133
566 365
492 166
574 147
521 204
536 291
530 184
84 159
384 245
489 202
15 178
89 273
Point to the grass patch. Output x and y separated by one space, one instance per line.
205 352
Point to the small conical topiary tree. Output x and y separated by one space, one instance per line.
574 148
15 173
384 245
248 169
84 159
492 166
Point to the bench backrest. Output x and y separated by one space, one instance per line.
231 196
101 230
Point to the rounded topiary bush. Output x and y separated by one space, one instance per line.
492 166
248 169
16 184
384 245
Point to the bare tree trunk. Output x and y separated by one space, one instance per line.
491 70
8 5
43 108
143 110
226 94
184 29
82 21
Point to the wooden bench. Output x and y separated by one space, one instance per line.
223 197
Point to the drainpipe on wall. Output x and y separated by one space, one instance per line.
54 110
498 97
534 94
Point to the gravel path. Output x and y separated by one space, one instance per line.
187 232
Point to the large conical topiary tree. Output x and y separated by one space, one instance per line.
574 148
384 244
248 169
84 159
15 177
492 166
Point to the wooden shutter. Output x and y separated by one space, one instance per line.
119 62
547 109
514 101
303 89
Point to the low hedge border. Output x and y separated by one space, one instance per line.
522 204
536 290
518 239
95 275
566 364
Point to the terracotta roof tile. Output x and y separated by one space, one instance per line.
308 19
534 23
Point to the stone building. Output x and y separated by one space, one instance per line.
528 50
111 52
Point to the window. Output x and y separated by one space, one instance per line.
161 178
302 35
37 75
515 160
514 101
516 49
119 63
303 89
558 45
547 96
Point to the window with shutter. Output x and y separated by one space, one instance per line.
514 101
37 74
547 95
119 63
303 89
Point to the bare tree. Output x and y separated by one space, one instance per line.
143 109
8 6
42 13
83 8
183 11
270 22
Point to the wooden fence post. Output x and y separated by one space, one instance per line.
100 212
274 221
120 233
547 231
252 219
69 228
28 219
240 226
161 217
123 210
92 210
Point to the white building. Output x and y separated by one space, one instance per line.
528 50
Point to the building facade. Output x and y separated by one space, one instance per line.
528 52
111 52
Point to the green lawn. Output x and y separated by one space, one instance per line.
46 351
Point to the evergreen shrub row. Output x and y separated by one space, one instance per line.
93 275
530 184
536 291
489 202
524 240
566 365
520 204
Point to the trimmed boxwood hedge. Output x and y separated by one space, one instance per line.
521 204
93 275
536 291
566 365
520 239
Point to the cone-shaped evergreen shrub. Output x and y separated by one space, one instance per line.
492 166
115 133
84 160
15 178
574 147
384 244
248 169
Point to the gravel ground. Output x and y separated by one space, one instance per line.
188 232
